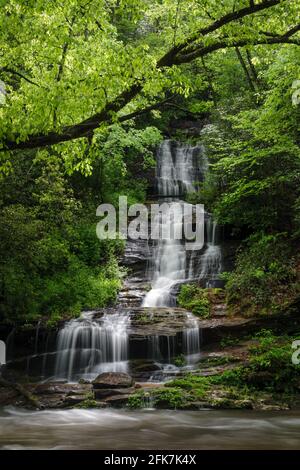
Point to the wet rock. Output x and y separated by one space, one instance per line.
261 405
140 365
84 381
101 393
157 321
74 399
111 380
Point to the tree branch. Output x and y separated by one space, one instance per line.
167 59
19 74
200 51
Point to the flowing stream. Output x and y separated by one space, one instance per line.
148 429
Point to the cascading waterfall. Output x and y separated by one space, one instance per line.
169 264
89 346
179 167
191 339
86 347
211 260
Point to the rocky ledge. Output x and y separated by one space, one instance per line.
120 390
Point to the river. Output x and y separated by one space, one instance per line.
148 429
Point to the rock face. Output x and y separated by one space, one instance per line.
163 321
112 380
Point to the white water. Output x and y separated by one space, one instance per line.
178 169
86 347
169 261
211 260
191 340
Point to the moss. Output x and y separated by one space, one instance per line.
180 360
136 400
88 403
217 361
170 397
199 301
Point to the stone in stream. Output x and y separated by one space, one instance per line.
113 380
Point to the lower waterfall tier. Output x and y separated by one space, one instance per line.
136 340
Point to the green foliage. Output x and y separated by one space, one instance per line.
270 366
52 263
194 299
199 301
228 341
265 278
197 386
180 360
136 400
170 397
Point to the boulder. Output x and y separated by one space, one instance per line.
112 380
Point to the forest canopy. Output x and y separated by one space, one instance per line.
75 67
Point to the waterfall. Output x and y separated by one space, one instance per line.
179 167
211 260
86 347
191 339
169 264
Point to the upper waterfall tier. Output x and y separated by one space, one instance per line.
179 167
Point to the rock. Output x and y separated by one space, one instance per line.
8 396
60 388
260 378
74 399
268 405
157 321
113 380
140 365
84 382
101 393
117 400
